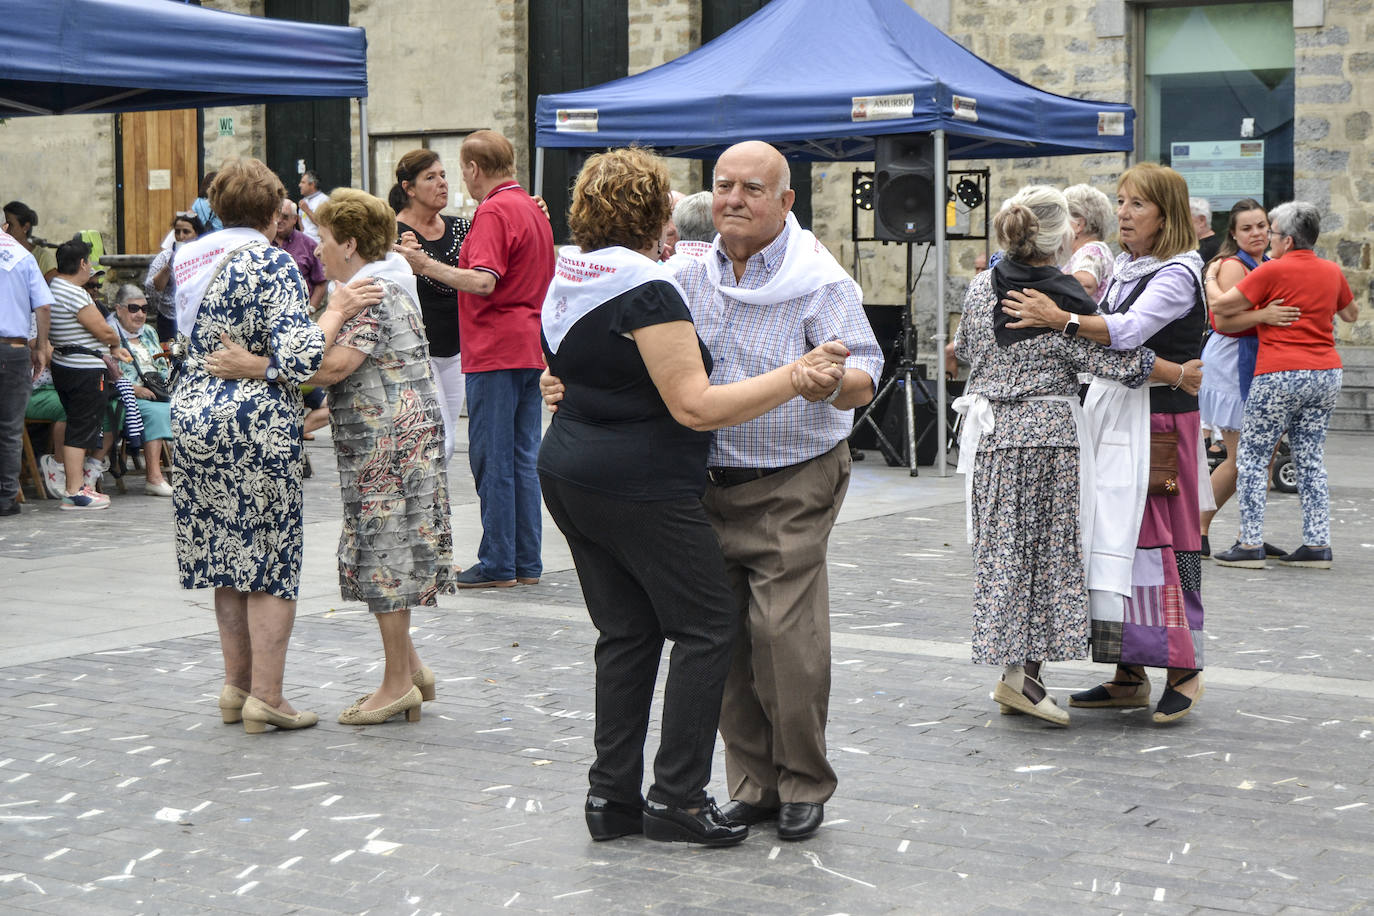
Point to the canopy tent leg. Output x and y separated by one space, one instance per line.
365 150
941 282
538 170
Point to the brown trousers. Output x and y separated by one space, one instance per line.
774 533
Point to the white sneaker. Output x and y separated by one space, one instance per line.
161 488
85 498
54 476
93 471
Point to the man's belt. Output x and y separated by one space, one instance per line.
15 341
730 477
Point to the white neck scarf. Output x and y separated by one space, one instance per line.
394 268
11 251
197 262
584 280
806 267
1127 269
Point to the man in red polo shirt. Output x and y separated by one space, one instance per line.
504 269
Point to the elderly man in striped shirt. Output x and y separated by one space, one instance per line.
767 293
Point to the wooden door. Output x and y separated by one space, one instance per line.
315 135
160 153
573 44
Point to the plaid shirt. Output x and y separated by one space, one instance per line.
747 340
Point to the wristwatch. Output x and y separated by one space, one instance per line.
1071 326
273 371
830 398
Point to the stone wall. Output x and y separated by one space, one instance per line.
660 31
62 167
1332 165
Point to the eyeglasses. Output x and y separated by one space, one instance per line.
1274 235
136 308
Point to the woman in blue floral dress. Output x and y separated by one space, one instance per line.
237 485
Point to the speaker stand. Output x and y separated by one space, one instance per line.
908 374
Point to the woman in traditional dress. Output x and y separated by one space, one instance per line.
1145 575
237 493
1020 448
396 551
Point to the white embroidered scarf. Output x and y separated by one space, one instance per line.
394 268
806 267
11 251
583 280
196 263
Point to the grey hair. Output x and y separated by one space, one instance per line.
127 292
1093 207
288 206
1034 224
1200 206
692 217
1299 220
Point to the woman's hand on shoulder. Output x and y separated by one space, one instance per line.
1033 309
359 295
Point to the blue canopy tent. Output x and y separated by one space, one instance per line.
105 56
820 80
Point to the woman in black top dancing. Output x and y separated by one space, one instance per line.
428 236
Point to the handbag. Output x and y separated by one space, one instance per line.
1163 464
150 378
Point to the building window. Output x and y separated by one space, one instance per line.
1218 99
388 148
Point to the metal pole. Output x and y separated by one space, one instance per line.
909 361
941 268
365 152
538 170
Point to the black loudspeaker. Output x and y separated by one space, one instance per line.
893 423
904 188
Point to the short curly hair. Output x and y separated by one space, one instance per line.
357 215
620 198
246 193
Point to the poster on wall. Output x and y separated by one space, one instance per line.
1223 171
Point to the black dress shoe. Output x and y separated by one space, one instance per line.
798 820
608 819
677 825
739 812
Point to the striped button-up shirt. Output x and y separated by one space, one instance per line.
747 340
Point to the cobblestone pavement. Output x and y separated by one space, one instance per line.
121 792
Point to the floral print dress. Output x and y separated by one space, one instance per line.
396 550
236 488
1030 597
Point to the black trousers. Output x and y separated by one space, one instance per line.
650 571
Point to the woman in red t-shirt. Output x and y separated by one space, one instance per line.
1297 381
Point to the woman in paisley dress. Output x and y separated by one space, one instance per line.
237 487
396 551
1020 449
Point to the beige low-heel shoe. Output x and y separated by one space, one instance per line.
424 679
257 715
1008 694
408 704
231 701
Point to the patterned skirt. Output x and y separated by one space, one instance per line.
1160 624
1029 597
